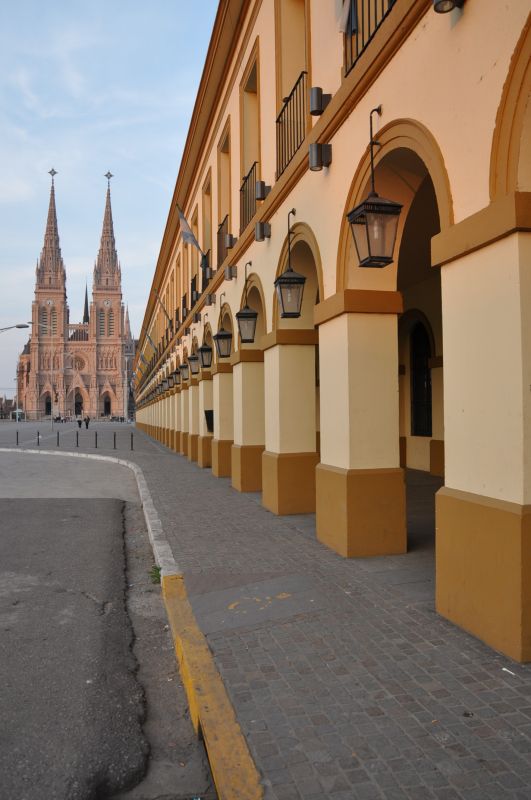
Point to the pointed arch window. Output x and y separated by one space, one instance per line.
43 321
420 354
110 323
53 321
101 321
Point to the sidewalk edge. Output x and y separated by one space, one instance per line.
233 769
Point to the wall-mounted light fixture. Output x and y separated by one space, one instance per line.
171 381
177 376
223 338
247 317
319 156
374 222
205 356
444 6
290 285
262 230
318 101
230 240
261 190
185 370
231 272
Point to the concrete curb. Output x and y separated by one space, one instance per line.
235 774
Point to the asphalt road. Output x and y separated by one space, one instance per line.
71 707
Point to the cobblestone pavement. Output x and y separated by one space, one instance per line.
344 680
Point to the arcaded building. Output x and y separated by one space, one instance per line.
68 369
357 178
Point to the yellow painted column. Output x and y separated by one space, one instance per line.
249 428
483 513
204 448
360 487
222 397
171 419
290 456
178 426
184 419
193 419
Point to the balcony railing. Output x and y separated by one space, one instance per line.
291 124
222 244
248 198
365 17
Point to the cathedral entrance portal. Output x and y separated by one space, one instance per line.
106 406
78 404
48 406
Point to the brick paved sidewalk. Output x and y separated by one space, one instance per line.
344 680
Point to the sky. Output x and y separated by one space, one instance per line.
87 87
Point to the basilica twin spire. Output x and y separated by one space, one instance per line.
50 267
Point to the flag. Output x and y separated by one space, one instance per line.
344 15
150 340
164 309
143 360
187 232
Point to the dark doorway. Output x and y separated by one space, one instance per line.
78 405
106 406
420 381
48 406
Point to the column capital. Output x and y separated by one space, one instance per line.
308 336
358 301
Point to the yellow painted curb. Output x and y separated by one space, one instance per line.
233 769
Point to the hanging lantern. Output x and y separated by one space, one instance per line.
247 317
374 222
177 377
171 381
223 342
290 285
193 361
185 370
205 356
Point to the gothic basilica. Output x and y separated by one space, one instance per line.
84 368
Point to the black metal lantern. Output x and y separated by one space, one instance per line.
165 385
374 223
290 285
177 377
247 317
223 342
205 356
185 370
193 361
171 381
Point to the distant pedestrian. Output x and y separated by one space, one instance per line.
87 420
79 420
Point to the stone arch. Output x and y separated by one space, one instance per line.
304 247
207 335
510 167
405 135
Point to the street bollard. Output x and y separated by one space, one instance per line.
17 438
77 438
96 439
132 448
38 439
114 437
57 438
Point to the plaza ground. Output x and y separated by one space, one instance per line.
344 680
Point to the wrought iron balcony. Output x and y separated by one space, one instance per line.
291 123
365 17
248 198
222 244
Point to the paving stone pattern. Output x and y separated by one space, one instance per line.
344 680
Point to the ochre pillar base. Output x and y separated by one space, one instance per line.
361 512
204 451
437 457
184 444
246 467
483 569
288 482
193 439
221 457
177 446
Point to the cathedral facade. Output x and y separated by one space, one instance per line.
71 369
